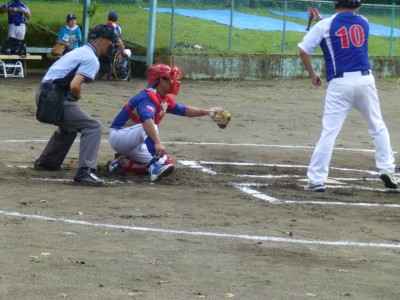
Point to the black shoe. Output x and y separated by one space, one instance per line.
40 166
315 187
88 178
389 180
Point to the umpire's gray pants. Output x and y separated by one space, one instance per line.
75 120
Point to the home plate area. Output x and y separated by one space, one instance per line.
284 184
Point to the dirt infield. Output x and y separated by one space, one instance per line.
233 221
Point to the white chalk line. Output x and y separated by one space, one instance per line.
210 144
281 166
200 233
257 194
246 187
71 180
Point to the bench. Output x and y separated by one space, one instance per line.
42 50
11 69
47 51
18 69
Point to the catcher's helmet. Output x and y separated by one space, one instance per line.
347 3
103 31
159 70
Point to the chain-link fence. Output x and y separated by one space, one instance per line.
259 26
212 26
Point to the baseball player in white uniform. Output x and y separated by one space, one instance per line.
18 12
344 41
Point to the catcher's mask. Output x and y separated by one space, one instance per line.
347 3
159 70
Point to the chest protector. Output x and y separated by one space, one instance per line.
162 104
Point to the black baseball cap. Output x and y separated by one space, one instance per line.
103 31
70 17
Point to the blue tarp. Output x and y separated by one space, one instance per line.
240 20
247 21
374 29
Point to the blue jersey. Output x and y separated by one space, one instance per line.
144 108
66 32
16 18
343 39
118 31
116 27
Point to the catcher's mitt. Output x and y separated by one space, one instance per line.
220 116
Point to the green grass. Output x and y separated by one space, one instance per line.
188 32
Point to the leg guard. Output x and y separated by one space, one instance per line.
131 166
128 165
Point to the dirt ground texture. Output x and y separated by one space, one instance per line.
201 232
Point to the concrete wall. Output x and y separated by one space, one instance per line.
256 67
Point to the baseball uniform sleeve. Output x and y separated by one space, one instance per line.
89 68
313 38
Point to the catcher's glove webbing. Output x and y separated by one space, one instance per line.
220 116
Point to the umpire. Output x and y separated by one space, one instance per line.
67 77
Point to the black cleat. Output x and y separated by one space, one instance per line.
315 187
88 178
40 166
389 180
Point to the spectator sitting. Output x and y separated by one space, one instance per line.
70 35
112 21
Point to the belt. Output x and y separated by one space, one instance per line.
363 73
52 86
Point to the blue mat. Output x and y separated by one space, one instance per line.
247 21
240 20
374 29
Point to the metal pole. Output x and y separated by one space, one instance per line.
391 27
85 21
151 33
283 46
231 24
171 44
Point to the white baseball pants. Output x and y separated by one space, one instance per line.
343 94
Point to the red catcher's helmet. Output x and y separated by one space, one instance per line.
159 70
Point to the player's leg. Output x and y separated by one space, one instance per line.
158 167
137 150
369 107
337 107
11 32
91 131
56 149
20 32
127 142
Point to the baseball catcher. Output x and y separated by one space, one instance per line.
134 131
